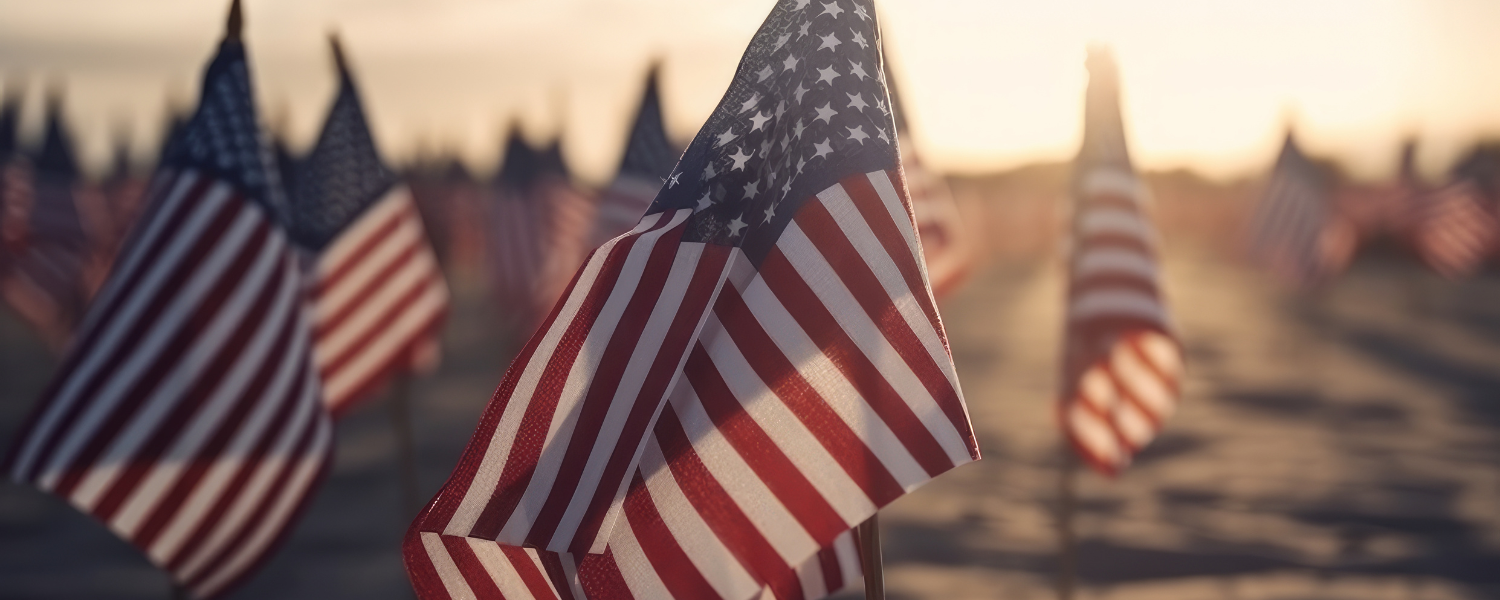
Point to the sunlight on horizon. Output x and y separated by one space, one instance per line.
988 84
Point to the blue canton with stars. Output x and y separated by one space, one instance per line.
341 177
224 138
807 107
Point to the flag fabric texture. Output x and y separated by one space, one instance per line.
1296 232
378 296
186 416
1452 229
728 389
46 282
1122 365
648 160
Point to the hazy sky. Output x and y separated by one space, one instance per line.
1208 84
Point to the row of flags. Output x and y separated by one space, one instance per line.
248 307
735 355
1308 227
50 265
734 381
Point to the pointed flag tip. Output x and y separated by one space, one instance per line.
337 47
235 25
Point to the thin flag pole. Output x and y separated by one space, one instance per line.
1067 503
869 558
406 451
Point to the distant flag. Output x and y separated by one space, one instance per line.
186 416
649 158
540 229
124 190
947 240
15 181
1296 233
46 281
1453 230
568 223
516 235
729 389
1482 166
1122 365
378 295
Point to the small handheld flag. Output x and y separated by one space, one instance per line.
186 417
1122 364
378 296
731 387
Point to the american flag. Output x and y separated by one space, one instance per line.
1296 232
15 181
540 228
569 216
45 280
947 241
732 386
649 158
1122 364
1452 229
187 416
378 296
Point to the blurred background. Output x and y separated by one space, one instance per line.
1337 438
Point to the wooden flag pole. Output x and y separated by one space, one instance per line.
869 558
1067 552
406 452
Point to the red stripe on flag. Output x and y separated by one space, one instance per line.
863 284
671 563
760 452
542 405
824 330
601 394
783 379
164 363
666 366
720 512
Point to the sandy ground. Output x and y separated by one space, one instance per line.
1342 445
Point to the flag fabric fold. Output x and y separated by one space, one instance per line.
1122 363
727 390
377 293
186 415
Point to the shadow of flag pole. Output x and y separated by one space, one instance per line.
406 447
1067 556
869 558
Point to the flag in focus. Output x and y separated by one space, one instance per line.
1122 364
378 296
186 416
728 389
648 159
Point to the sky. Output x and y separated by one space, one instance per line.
1208 85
